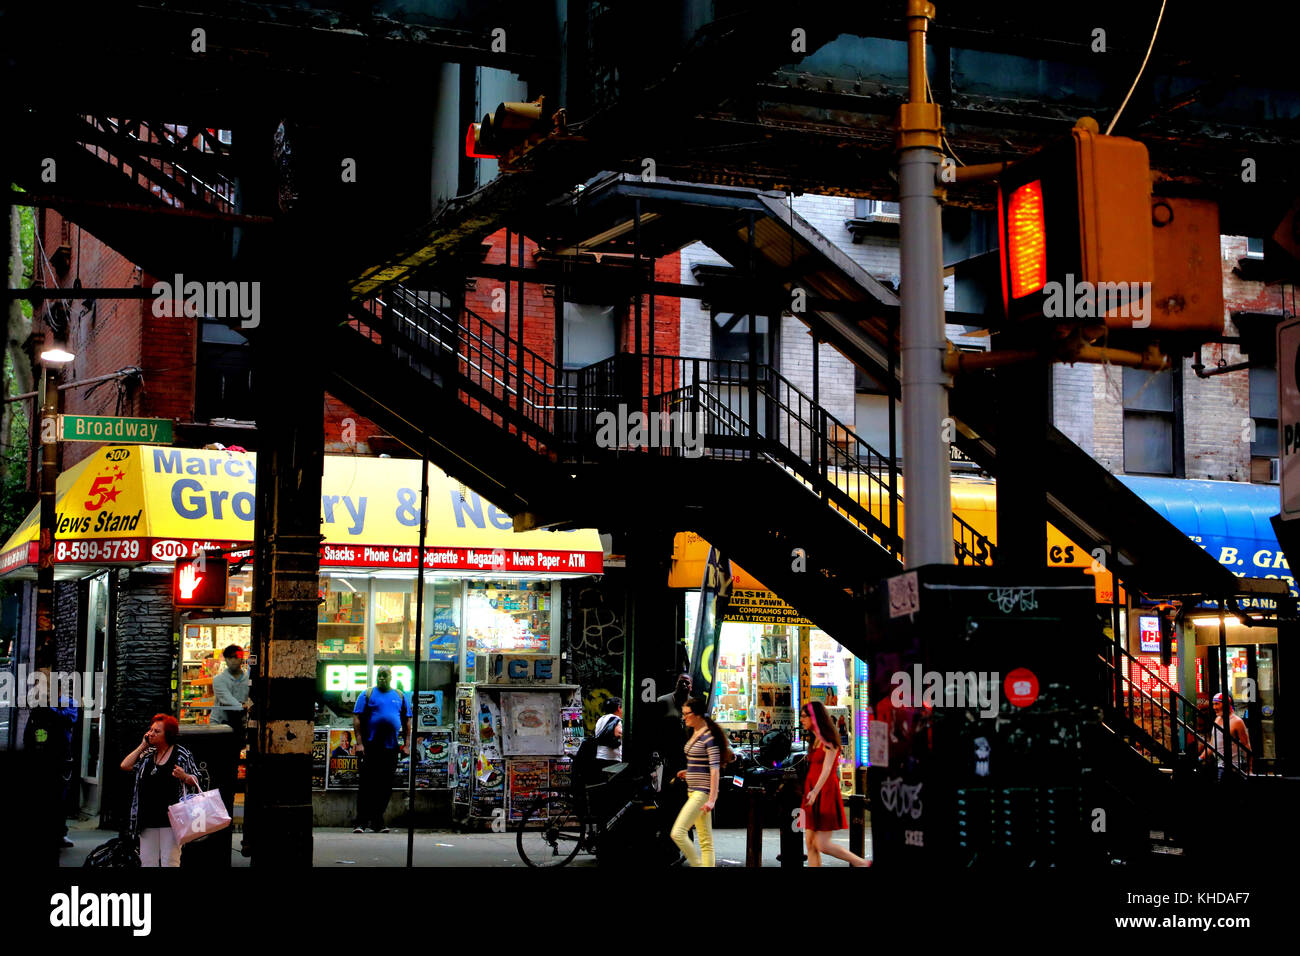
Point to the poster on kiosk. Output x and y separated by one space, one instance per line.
516 730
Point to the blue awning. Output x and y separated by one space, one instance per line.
1229 519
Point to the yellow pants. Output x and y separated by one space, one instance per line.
694 815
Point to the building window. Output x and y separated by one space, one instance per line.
1151 431
1263 417
731 338
871 415
871 217
224 377
589 334
1254 248
875 209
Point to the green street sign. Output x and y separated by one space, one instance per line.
110 428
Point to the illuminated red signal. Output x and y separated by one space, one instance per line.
200 581
1027 238
472 147
1091 194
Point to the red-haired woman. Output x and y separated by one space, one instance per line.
161 765
823 807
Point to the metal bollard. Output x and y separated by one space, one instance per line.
792 835
754 827
858 824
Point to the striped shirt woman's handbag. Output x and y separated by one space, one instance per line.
197 815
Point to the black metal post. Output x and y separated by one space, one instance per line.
650 334
519 347
818 421
1226 736
560 422
857 824
419 633
1115 611
43 656
637 287
753 347
754 827
505 344
891 385
792 832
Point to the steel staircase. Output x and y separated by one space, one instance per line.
761 470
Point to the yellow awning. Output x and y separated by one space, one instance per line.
974 500
141 503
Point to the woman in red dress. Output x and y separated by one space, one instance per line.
822 804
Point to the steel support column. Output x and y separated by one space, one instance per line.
651 630
290 459
43 654
1022 402
928 519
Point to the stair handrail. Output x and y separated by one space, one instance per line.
1176 723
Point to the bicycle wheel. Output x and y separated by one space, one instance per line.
551 832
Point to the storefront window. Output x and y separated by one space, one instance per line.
508 615
202 647
239 592
363 615
394 611
341 616
96 663
832 678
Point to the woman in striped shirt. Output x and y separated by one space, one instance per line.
707 752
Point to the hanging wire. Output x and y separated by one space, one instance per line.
1150 47
943 137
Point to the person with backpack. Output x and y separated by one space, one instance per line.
381 714
609 734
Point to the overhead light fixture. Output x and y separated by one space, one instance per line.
56 356
1231 619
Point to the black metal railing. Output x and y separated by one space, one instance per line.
1168 725
493 373
736 409
668 405
178 164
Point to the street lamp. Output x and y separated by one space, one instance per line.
44 656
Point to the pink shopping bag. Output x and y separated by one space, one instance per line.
197 815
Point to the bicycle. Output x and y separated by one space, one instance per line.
559 825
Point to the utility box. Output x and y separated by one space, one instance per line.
980 690
1187 292
214 747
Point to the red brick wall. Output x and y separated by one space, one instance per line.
539 307
339 417
125 332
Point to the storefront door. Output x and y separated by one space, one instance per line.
1251 681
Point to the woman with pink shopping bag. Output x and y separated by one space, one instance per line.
161 766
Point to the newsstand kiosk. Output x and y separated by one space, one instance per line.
983 687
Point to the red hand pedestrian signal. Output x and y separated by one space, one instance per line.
200 582
189 580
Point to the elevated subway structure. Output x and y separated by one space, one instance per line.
301 94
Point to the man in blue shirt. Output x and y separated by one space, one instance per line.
380 714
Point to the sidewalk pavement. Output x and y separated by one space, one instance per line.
435 848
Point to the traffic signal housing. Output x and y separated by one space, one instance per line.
506 128
200 581
1073 217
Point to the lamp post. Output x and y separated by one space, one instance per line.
43 656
